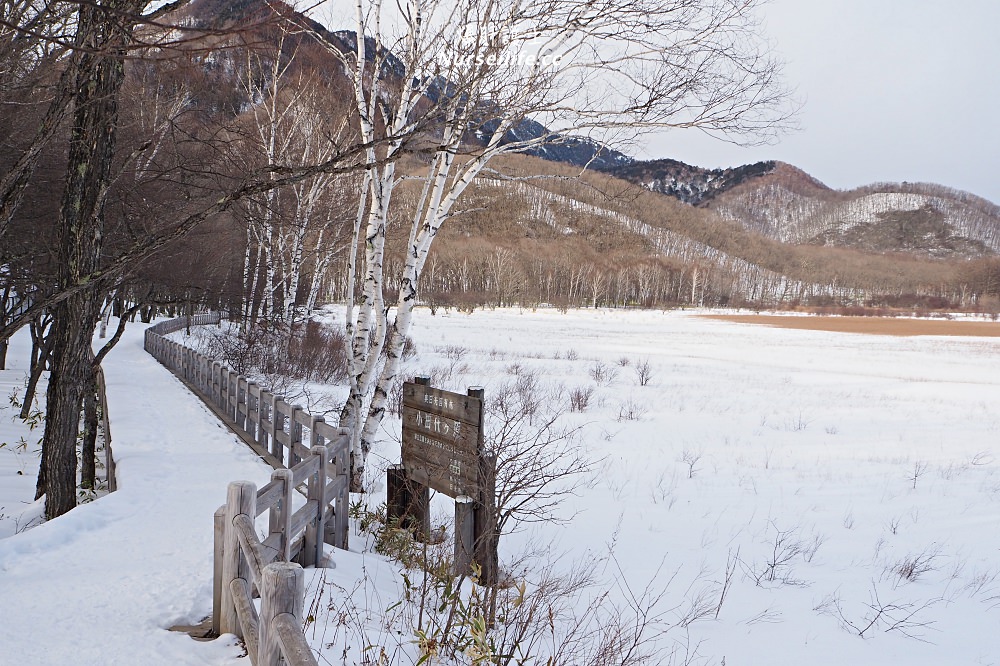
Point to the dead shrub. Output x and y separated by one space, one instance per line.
309 351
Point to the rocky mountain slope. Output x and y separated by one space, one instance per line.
690 184
925 220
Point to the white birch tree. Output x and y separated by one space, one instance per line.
472 74
292 122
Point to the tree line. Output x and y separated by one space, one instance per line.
238 155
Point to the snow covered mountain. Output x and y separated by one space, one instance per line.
918 218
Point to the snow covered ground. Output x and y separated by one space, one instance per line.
102 584
835 475
19 443
839 475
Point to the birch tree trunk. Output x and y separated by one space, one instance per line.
467 72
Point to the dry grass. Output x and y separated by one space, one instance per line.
871 325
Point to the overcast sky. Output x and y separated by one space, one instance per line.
893 90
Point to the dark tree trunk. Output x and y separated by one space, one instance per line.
41 344
88 448
103 33
4 304
68 380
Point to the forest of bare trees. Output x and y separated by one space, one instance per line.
238 156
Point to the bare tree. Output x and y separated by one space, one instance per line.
539 461
98 198
296 119
492 76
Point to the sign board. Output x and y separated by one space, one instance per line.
441 439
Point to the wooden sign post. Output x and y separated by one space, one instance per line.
443 450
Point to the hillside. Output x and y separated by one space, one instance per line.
921 219
690 184
662 232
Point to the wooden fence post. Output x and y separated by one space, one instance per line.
278 421
224 390
280 519
465 534
408 502
316 439
486 537
265 424
282 590
242 407
342 527
337 528
218 547
241 498
251 427
312 545
214 391
294 434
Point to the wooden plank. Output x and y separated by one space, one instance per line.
241 498
329 433
302 517
304 470
294 647
442 438
281 437
256 554
445 466
302 417
300 450
273 541
335 487
442 428
247 615
445 403
269 495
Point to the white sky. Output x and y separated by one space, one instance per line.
893 90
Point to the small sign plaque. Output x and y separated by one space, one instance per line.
441 439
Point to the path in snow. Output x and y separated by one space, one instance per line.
101 584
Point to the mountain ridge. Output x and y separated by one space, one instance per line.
756 232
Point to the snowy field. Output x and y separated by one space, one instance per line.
848 483
20 443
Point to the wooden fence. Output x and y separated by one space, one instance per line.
279 433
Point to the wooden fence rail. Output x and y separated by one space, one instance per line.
304 449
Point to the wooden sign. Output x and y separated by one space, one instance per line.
441 439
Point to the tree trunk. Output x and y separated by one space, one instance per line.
88 448
41 345
73 328
5 300
103 33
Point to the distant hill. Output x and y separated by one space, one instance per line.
922 219
665 232
692 185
